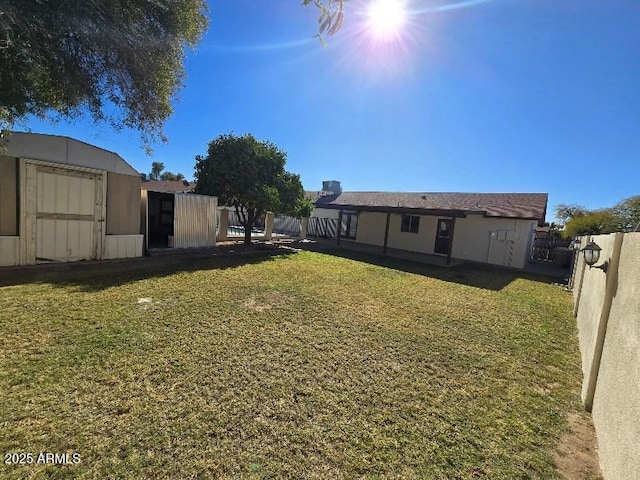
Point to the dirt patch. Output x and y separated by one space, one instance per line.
577 456
267 301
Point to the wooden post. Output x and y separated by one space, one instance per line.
339 229
453 228
386 233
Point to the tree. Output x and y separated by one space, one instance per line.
168 176
565 212
156 168
249 175
69 57
628 211
593 223
331 16
158 174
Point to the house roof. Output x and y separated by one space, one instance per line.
510 205
170 186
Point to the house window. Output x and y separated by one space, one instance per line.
349 225
410 223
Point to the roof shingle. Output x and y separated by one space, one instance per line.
170 186
510 205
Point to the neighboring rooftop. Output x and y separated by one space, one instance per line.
170 186
510 205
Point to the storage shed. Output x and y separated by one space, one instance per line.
175 218
65 200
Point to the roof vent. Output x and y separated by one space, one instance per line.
331 187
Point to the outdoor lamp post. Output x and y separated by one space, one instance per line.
592 255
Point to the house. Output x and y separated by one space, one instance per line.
65 200
173 217
494 228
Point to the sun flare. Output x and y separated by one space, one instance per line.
386 17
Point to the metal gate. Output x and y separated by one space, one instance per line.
194 221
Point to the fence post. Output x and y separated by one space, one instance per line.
268 225
304 226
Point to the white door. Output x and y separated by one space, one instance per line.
67 212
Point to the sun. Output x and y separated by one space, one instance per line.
386 17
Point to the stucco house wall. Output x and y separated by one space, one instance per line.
369 230
325 213
423 241
498 241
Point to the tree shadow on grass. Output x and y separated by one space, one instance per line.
471 274
99 275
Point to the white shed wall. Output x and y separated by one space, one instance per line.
123 246
9 251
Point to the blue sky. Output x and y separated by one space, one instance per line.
494 96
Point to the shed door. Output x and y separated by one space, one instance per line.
68 214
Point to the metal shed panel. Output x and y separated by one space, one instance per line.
194 222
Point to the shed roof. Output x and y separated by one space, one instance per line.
510 205
66 150
169 186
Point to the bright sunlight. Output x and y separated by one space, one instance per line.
386 17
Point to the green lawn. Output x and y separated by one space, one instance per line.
303 365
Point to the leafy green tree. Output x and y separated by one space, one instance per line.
156 168
593 223
158 174
565 212
169 176
303 208
60 57
248 175
628 211
331 16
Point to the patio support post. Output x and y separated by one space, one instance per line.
453 229
223 224
339 228
386 233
